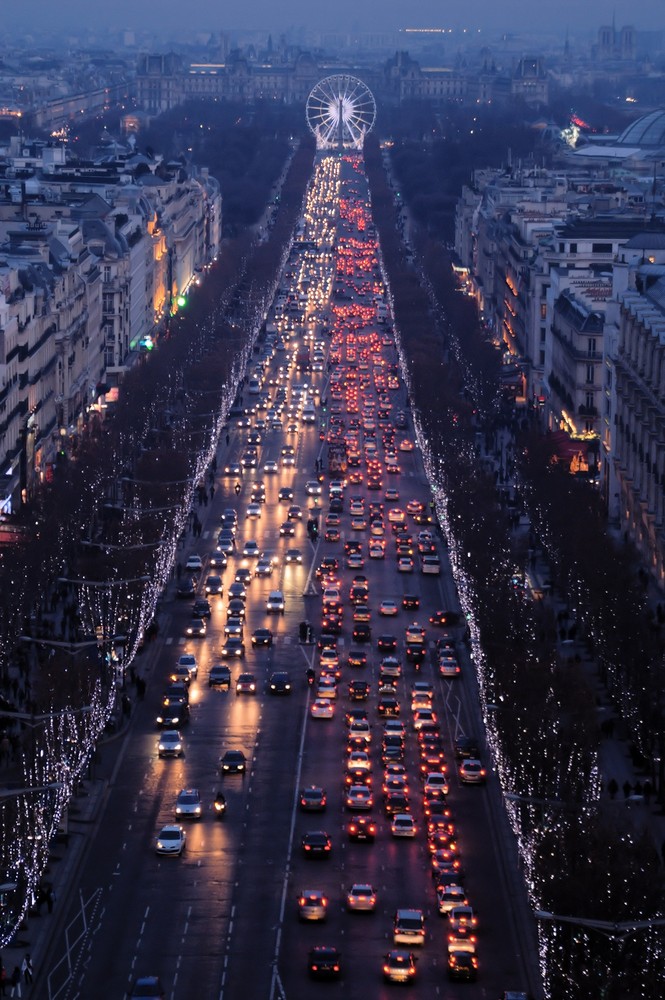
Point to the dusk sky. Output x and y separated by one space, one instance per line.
523 16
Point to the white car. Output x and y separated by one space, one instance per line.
275 602
403 825
313 488
271 467
361 898
263 567
188 804
436 782
312 905
327 688
250 548
322 708
170 744
253 510
388 608
189 661
171 840
194 564
359 797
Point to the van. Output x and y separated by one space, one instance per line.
409 927
253 387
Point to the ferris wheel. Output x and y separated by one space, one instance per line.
340 112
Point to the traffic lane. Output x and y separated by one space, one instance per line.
397 869
250 944
139 888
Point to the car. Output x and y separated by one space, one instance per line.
430 564
462 920
236 609
359 797
362 632
445 619
361 898
280 682
186 588
312 905
246 684
275 602
147 988
234 625
405 564
293 556
253 511
324 963
409 927
188 804
170 744
322 708
471 771
213 585
262 637
358 690
264 566
466 747
250 549
233 648
201 608
271 467
232 762
196 628
388 608
449 895
386 643
173 712
399 966
313 488
327 689
238 591
449 666
312 799
219 676
357 658
388 706
361 829
171 840
316 844
403 825
194 564
285 494
294 513
462 965
188 660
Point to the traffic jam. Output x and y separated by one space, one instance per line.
328 549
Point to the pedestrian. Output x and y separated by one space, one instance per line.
612 787
627 788
212 491
647 791
16 982
26 968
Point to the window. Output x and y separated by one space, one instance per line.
601 248
591 347
543 334
573 248
541 357
589 401
590 372
543 310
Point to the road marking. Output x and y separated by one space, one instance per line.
169 640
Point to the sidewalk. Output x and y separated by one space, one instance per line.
631 797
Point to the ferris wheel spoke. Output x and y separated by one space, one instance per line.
340 110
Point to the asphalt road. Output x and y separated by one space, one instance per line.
221 921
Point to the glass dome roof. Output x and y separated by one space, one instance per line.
646 131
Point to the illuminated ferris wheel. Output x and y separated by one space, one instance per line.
340 111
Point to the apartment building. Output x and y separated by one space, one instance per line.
93 258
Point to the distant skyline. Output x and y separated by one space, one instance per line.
526 17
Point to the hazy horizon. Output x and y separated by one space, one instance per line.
163 16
